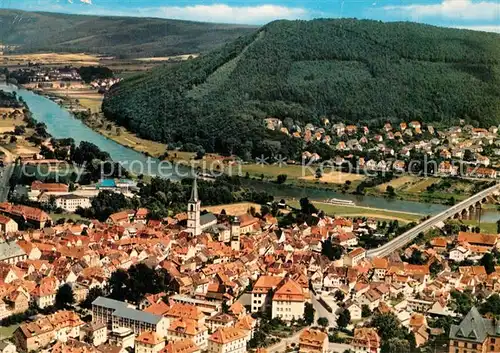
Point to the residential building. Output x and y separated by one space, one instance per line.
475 334
149 342
366 339
228 340
313 341
7 225
261 292
288 301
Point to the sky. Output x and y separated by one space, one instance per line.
472 14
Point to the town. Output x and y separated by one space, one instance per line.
216 282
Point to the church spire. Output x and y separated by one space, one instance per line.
194 191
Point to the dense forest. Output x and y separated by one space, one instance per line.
126 37
345 70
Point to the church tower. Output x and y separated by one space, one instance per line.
194 207
235 233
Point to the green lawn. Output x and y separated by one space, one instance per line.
7 331
490 228
74 217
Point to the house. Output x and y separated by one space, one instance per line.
96 334
313 341
149 342
459 254
354 309
288 301
228 339
260 292
352 258
35 335
7 225
181 346
366 339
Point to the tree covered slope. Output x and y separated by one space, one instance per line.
122 36
346 70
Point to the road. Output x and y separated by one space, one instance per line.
320 311
408 236
6 173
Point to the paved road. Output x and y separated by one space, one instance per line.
408 236
320 311
6 173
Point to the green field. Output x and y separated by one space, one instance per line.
352 211
490 228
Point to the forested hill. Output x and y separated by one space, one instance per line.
121 36
346 70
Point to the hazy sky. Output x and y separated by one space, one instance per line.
474 14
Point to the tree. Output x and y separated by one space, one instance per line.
93 294
281 179
309 313
344 318
498 226
435 268
365 311
65 296
461 302
323 321
387 325
488 261
395 345
491 305
339 295
390 191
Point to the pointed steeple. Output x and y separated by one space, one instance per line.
194 191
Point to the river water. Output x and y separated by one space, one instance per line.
61 124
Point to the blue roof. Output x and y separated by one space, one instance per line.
107 183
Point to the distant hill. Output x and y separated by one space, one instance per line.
346 70
121 36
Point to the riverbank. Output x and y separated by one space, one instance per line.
360 211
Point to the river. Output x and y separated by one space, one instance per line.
61 124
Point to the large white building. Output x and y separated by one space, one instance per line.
289 301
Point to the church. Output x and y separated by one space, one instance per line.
198 223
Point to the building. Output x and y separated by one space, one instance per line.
149 342
194 207
366 339
228 340
96 334
354 257
118 314
7 225
35 335
196 222
182 346
260 292
11 253
313 341
71 202
26 214
288 301
475 334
